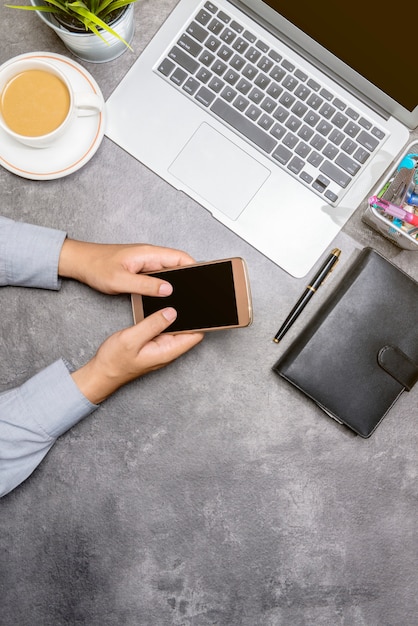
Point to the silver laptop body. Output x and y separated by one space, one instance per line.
180 120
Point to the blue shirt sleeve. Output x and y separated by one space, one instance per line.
33 415
29 254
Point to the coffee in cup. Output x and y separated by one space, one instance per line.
37 102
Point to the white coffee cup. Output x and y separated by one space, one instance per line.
38 103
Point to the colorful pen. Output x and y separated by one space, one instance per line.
394 210
316 282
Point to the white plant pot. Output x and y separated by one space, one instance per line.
88 46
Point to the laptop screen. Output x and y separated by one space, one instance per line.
378 45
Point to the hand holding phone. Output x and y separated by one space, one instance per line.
207 296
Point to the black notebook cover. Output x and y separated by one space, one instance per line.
360 350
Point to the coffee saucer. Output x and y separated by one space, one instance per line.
71 151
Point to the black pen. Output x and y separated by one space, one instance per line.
316 282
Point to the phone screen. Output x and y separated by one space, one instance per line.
203 296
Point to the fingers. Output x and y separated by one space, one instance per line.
144 285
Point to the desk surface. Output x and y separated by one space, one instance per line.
209 492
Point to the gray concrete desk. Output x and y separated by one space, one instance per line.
209 492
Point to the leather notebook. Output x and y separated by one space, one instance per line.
359 352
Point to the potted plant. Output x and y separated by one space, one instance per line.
94 30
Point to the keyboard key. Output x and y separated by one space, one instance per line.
197 32
251 38
228 36
237 62
365 123
244 86
216 27
192 47
274 90
262 81
302 92
289 82
178 76
352 129
250 71
282 154
327 110
243 125
318 142
265 64
339 104
327 95
218 67
231 77
212 43
237 27
313 84
287 99
277 73
352 114
183 59
324 127
240 103
252 55
295 165
166 67
339 120
349 146
256 95
302 149
315 101
288 65
330 151
315 159
334 173
268 105
278 131
262 46
253 112
265 122
321 183
378 133
191 86
336 137
299 108
224 17
305 132
225 53
205 97
301 75
290 140
293 123
367 141
204 75
347 164
361 155
211 7
240 45
203 17
311 118
216 84
280 114
228 94
206 57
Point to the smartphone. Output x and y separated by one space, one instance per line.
206 296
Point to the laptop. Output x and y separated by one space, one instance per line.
277 117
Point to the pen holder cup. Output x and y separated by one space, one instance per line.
401 234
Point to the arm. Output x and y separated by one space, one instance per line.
34 415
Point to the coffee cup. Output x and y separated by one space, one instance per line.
38 104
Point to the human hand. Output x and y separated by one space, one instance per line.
132 352
117 268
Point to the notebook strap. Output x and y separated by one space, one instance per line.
399 365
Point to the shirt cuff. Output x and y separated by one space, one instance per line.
55 401
29 254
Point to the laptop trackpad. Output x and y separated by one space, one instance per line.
218 171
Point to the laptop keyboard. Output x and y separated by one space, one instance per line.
266 99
